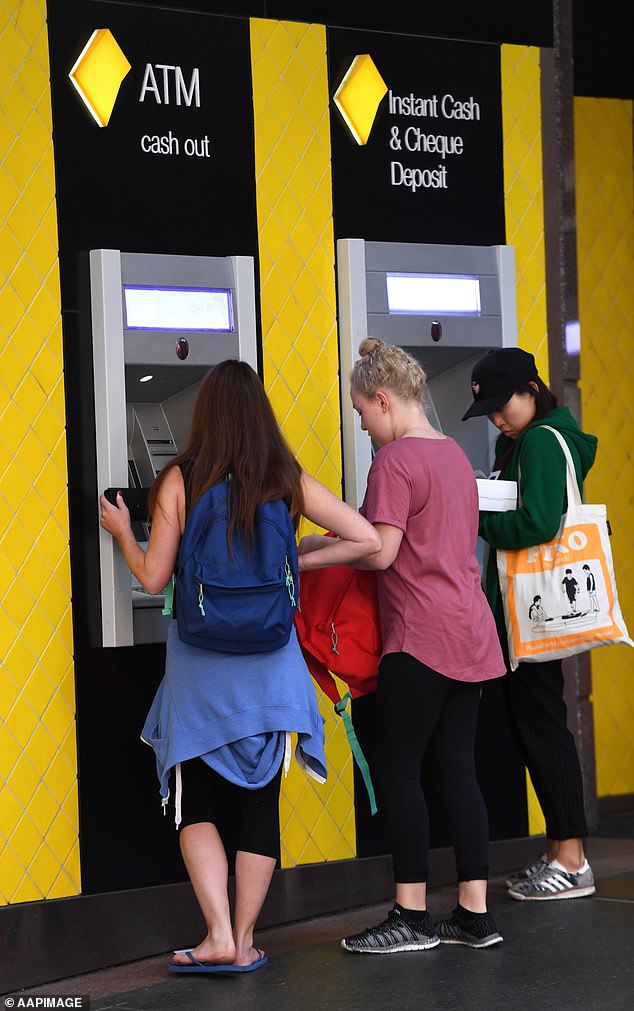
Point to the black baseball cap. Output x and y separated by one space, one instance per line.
496 377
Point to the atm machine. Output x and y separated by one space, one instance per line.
159 323
447 306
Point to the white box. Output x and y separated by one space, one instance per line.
496 496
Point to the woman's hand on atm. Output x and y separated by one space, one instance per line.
154 566
115 518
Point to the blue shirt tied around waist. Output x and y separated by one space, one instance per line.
235 712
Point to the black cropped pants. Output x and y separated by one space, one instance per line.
424 717
534 695
247 820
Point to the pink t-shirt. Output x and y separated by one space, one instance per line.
431 603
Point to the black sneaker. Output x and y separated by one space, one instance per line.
478 931
394 934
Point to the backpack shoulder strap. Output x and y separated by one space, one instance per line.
185 467
364 769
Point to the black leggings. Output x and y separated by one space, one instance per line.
424 717
247 820
534 696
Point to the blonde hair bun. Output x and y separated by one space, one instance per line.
370 345
390 366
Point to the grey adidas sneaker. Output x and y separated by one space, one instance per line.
554 882
393 935
527 872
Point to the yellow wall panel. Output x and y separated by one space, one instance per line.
605 254
38 768
300 349
523 206
523 194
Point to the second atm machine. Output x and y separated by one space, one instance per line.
447 306
159 323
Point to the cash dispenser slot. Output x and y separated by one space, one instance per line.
151 442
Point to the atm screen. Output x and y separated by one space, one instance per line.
435 293
178 308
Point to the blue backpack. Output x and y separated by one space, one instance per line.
240 601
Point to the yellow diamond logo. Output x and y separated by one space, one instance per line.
98 74
359 95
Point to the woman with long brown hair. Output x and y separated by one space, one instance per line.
220 722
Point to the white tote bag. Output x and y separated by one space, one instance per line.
560 598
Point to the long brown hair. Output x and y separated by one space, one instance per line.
545 402
234 432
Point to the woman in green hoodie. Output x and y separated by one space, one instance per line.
507 388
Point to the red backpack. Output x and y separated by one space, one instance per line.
338 630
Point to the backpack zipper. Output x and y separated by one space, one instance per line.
290 583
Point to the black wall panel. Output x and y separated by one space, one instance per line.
603 64
394 188
488 21
113 194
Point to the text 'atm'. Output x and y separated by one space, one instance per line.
159 322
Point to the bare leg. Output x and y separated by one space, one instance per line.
253 877
569 852
472 895
412 895
206 863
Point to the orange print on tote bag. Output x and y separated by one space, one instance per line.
560 598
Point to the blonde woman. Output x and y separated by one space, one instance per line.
439 645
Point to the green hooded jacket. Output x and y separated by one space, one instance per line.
542 489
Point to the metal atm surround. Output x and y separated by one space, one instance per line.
362 267
121 356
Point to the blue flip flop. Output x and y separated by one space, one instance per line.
218 968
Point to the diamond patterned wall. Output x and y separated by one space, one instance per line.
605 253
301 359
523 194
523 205
39 855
